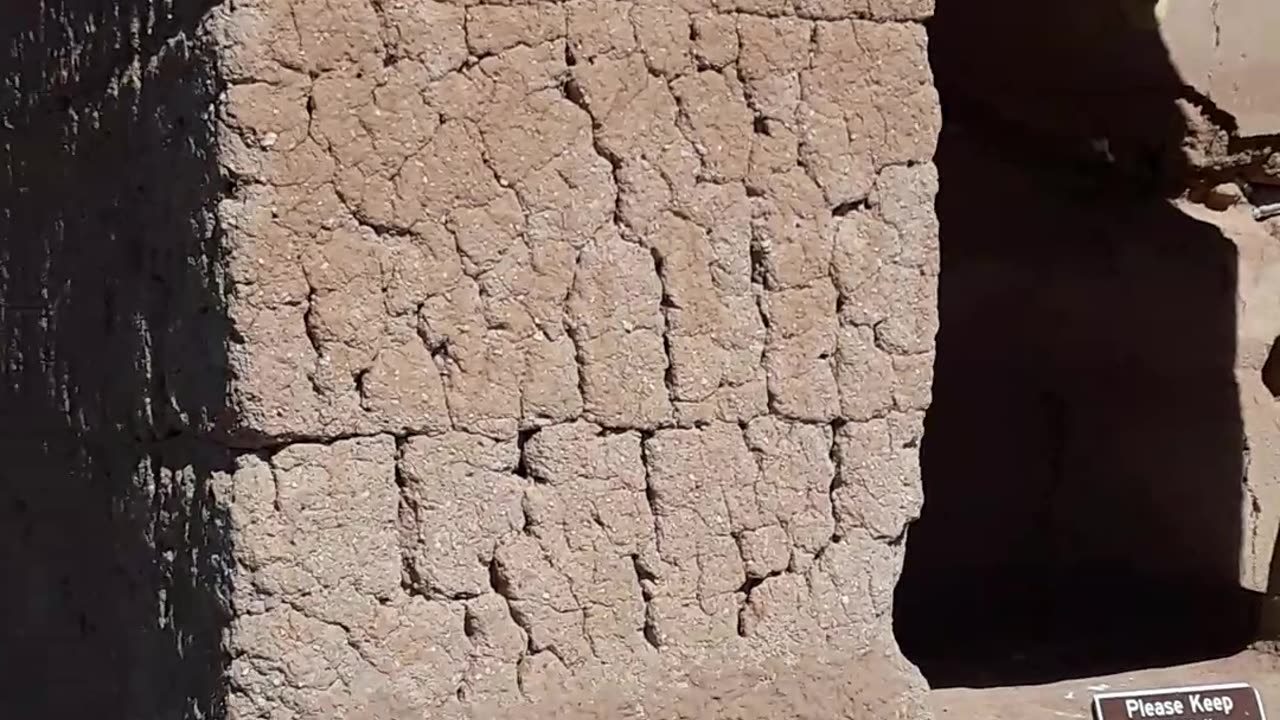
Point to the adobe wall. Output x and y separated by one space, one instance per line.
390 358
575 344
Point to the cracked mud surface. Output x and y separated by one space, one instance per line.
578 344
551 358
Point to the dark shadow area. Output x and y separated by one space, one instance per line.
1271 369
1082 459
114 593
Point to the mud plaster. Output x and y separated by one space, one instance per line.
576 343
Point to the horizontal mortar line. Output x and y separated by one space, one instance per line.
275 444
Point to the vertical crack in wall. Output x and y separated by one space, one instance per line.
837 479
645 581
408 518
649 579
668 306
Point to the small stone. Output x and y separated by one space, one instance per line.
1223 196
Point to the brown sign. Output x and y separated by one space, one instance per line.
1209 702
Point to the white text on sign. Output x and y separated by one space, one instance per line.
1199 703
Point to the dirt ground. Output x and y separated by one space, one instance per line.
1071 698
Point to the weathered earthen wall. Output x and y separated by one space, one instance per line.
575 343
389 358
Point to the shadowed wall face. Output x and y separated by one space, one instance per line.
112 364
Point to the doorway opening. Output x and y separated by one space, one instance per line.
1082 459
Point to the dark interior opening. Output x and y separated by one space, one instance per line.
1082 459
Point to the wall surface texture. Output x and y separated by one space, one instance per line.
574 344
402 358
